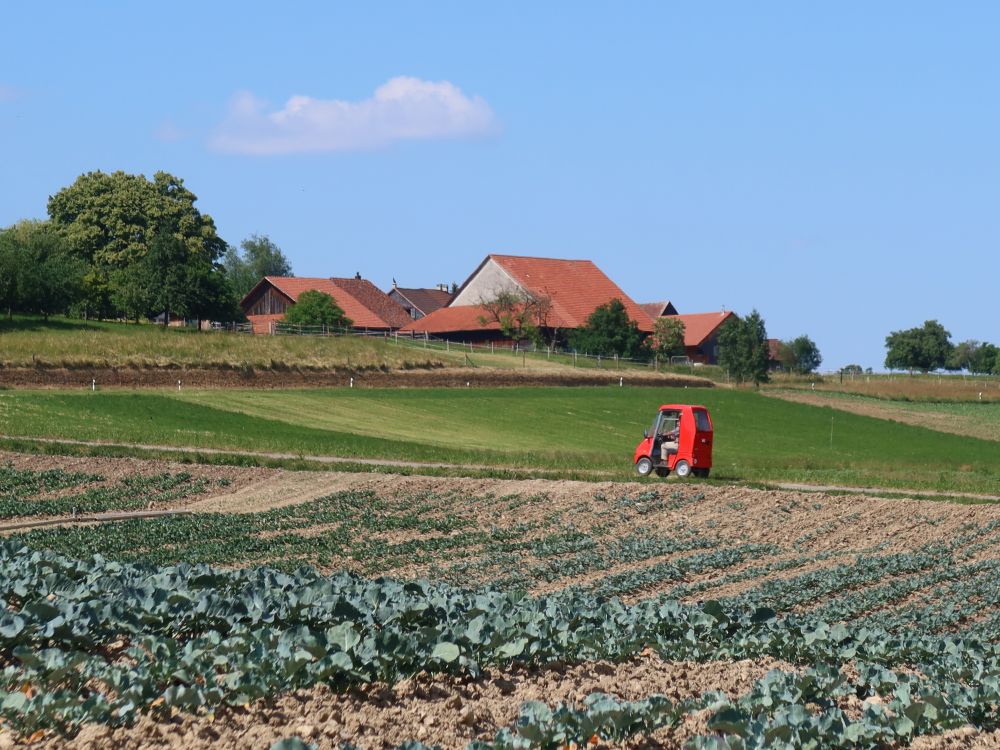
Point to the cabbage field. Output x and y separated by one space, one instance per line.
412 611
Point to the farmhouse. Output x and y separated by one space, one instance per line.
566 292
420 302
365 304
701 334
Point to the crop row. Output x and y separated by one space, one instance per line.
26 492
97 640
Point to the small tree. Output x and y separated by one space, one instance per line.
851 370
610 331
38 274
517 313
926 348
743 350
983 362
668 337
316 308
962 355
804 355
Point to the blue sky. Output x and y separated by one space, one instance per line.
834 165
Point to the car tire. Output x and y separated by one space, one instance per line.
682 469
703 473
644 466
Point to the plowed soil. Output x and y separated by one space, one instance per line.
437 710
452 711
441 377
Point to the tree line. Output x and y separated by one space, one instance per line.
929 347
120 246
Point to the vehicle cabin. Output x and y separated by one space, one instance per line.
680 441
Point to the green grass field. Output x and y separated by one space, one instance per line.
585 429
972 417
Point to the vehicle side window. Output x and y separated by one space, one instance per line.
701 421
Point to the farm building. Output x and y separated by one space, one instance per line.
701 334
420 302
568 292
365 304
658 309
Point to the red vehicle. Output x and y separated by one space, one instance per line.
680 442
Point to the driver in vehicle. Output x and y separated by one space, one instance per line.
670 430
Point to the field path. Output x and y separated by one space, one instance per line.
395 463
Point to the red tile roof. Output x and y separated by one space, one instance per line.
699 326
449 319
363 302
375 301
425 300
576 287
658 309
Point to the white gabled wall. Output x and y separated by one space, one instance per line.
485 285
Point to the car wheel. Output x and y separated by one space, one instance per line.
644 466
682 469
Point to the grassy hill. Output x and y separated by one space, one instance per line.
76 344
573 430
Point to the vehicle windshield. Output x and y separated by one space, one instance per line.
668 422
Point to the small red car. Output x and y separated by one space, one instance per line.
680 441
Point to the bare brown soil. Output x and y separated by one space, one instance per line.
451 711
439 377
437 710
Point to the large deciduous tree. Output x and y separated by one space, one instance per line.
743 349
110 221
610 331
260 257
926 348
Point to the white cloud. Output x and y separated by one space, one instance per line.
403 108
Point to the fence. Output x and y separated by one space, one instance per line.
514 349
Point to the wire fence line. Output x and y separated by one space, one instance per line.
510 348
